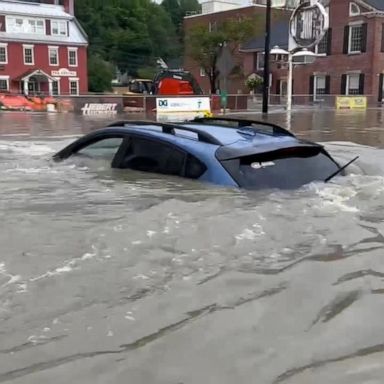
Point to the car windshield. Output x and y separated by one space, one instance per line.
285 169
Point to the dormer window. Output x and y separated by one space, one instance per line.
59 28
354 9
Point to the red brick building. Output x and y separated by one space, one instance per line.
350 58
43 49
211 20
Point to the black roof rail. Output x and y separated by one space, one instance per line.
242 123
170 129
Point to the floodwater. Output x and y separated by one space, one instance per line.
117 277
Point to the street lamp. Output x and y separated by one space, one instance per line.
296 56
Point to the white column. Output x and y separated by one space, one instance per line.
289 82
50 87
26 87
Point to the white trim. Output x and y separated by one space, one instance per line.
5 46
57 80
6 78
32 48
356 23
73 80
348 80
58 27
351 12
75 50
202 72
350 26
319 97
53 48
258 56
24 28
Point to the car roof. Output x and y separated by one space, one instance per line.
232 137
227 138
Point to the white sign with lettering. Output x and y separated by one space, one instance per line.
182 108
64 72
99 109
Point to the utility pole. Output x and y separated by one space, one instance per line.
266 56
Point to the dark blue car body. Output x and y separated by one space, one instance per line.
223 151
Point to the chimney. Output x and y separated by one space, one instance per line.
69 6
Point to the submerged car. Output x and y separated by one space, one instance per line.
225 151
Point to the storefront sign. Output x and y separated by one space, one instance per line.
99 109
182 108
63 72
351 102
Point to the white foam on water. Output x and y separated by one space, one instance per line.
67 267
27 148
250 234
336 197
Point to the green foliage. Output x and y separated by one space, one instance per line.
100 74
132 34
254 82
204 46
146 73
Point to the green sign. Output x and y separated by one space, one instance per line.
223 99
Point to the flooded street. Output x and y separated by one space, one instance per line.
109 276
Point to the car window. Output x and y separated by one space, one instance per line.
105 148
282 169
157 157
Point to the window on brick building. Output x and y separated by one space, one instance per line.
260 61
352 84
74 87
324 47
3 54
4 83
29 57
355 38
354 9
319 85
53 53
55 88
72 57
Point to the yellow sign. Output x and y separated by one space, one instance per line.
351 102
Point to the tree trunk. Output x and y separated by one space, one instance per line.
212 81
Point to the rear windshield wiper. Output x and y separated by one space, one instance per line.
340 169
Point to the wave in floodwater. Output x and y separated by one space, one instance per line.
109 276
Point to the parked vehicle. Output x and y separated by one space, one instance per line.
224 151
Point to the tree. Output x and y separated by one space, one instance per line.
100 74
204 46
129 34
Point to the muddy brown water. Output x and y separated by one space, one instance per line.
119 277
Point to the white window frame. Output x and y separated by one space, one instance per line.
57 79
202 72
75 50
348 81
6 78
32 48
10 22
260 67
52 48
351 11
59 23
316 96
5 46
74 80
350 26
